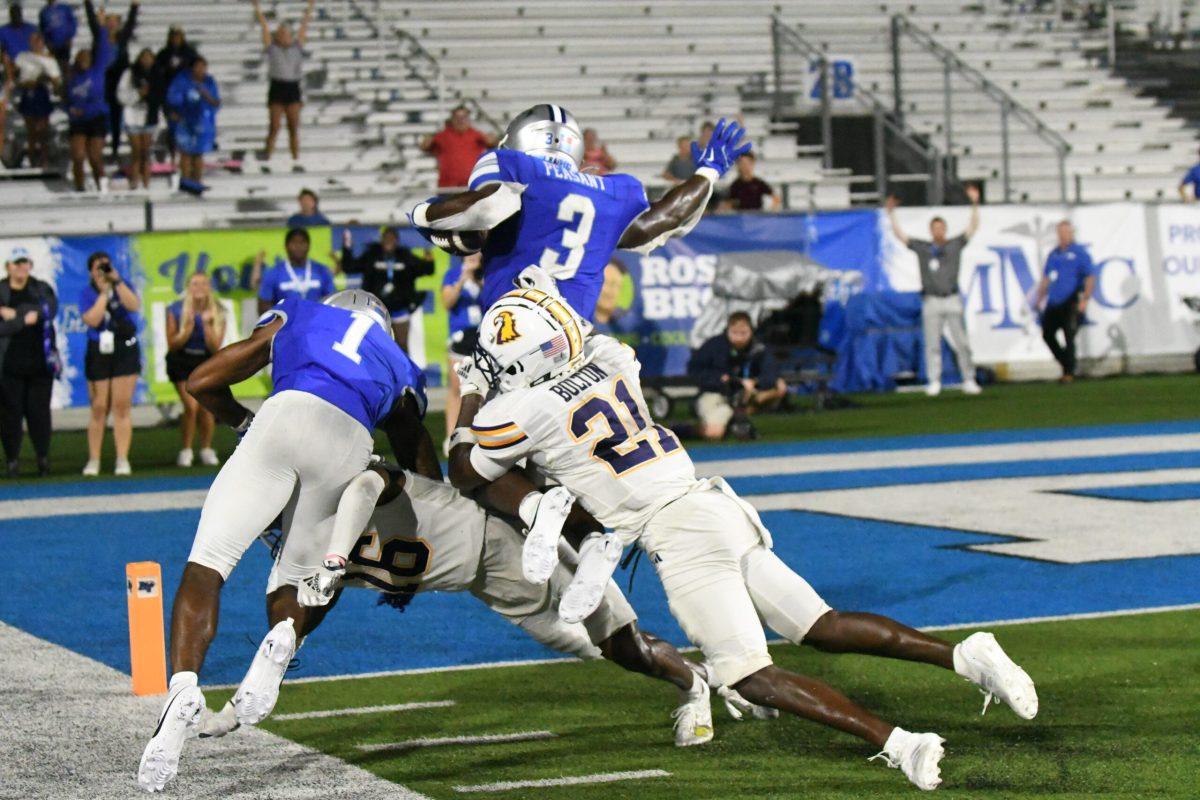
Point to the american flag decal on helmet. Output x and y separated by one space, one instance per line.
555 347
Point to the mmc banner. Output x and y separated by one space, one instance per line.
1147 257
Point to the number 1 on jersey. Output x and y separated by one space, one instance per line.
352 339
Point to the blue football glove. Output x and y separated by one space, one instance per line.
723 148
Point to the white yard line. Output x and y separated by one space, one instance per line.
489 738
348 712
600 777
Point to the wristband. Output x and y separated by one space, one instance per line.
463 435
708 172
418 216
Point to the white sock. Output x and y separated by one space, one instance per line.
527 511
183 679
697 687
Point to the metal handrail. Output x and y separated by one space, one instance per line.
1008 106
438 86
884 120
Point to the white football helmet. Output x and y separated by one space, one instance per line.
528 337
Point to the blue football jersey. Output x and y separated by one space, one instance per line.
569 224
343 358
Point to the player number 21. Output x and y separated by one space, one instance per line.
574 239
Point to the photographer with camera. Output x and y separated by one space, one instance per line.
737 376
113 362
389 271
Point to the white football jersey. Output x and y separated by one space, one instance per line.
591 432
429 538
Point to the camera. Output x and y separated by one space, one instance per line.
106 268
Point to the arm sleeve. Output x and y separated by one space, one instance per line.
281 310
503 439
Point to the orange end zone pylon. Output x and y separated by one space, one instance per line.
147 644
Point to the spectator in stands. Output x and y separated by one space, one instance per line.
87 110
193 100
38 79
195 330
175 57
134 91
457 147
309 215
58 25
595 153
1066 287
389 271
14 37
28 361
119 37
285 69
737 376
747 191
286 279
1190 178
680 167
941 304
460 297
113 360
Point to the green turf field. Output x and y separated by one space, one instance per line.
1016 405
1118 719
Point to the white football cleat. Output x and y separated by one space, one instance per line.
539 556
259 690
693 718
980 659
917 755
160 759
598 560
933 388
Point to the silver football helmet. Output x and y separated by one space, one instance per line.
361 302
545 130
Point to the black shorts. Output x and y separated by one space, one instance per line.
181 364
284 93
462 343
125 360
94 128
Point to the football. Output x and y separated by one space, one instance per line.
459 243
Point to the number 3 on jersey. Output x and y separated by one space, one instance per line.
629 443
573 239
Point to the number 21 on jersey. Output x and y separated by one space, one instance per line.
629 441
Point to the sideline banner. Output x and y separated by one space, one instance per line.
1135 308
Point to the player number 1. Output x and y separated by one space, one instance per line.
353 338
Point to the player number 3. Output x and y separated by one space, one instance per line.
574 239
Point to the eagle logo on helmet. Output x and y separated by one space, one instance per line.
506 328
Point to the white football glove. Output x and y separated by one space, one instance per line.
738 706
471 379
320 587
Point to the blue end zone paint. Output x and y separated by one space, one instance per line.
1151 493
118 486
70 589
825 446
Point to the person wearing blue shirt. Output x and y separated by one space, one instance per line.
461 291
297 276
1066 286
1191 178
193 99
87 109
58 25
14 37
337 375
309 215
